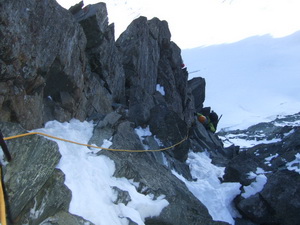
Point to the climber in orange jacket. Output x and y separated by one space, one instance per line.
210 122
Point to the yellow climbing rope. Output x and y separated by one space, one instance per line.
2 202
93 146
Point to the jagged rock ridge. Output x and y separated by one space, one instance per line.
59 64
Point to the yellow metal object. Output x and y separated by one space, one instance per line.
2 202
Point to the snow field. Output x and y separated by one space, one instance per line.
249 81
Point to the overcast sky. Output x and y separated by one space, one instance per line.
196 23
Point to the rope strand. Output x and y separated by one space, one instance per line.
93 146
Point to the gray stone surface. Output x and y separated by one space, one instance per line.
34 160
53 197
45 73
65 218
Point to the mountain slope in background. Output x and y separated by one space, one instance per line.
249 81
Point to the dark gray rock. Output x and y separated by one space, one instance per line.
241 221
98 99
140 105
238 168
249 160
34 160
45 73
105 128
277 203
53 197
76 8
65 218
255 209
170 129
126 138
282 195
33 48
140 68
197 87
122 196
94 20
150 58
35 189
173 78
102 52
203 140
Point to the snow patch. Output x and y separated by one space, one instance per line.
255 186
143 133
160 89
270 158
216 196
91 180
243 142
106 143
295 164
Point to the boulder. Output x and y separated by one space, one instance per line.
53 197
105 128
126 138
282 195
34 188
277 203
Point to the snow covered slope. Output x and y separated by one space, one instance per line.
249 81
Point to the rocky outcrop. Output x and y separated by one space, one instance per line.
36 153
34 188
149 59
278 162
101 49
45 72
60 64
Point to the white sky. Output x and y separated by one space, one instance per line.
196 23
